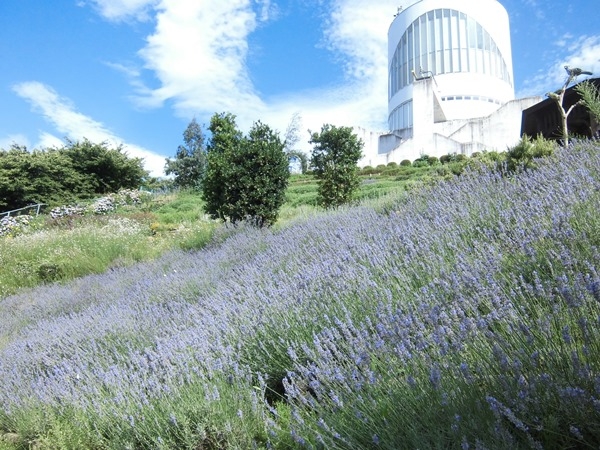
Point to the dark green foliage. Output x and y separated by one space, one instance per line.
405 163
225 134
590 98
50 272
392 171
106 169
392 164
423 161
37 177
367 170
433 160
335 156
246 177
53 176
190 160
527 150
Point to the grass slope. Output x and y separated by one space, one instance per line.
464 315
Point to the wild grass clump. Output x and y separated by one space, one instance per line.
115 230
463 315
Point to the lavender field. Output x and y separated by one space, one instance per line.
464 315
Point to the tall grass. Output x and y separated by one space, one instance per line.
463 315
70 247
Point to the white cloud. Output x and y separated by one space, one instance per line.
14 139
124 9
47 140
198 53
573 51
67 120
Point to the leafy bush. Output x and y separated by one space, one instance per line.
246 177
420 163
80 170
392 164
445 159
335 155
405 163
50 272
368 170
392 171
524 154
433 160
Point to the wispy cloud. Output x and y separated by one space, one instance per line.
14 139
61 113
119 10
198 53
572 51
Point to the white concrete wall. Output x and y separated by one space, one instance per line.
493 17
497 131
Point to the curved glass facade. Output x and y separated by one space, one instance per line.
401 117
445 41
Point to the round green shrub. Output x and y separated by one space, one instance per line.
405 163
391 171
420 163
49 272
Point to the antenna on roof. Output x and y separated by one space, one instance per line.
398 13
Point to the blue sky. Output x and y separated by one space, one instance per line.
135 72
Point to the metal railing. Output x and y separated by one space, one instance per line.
37 207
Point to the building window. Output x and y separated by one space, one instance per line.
445 41
401 118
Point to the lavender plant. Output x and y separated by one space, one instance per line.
463 315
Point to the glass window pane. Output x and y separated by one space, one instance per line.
462 31
411 56
432 47
479 36
471 33
417 38
424 43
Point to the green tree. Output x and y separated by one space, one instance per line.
190 160
334 161
246 177
40 176
54 176
225 133
590 98
105 169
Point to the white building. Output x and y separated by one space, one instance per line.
450 82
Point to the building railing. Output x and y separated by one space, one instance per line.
37 207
